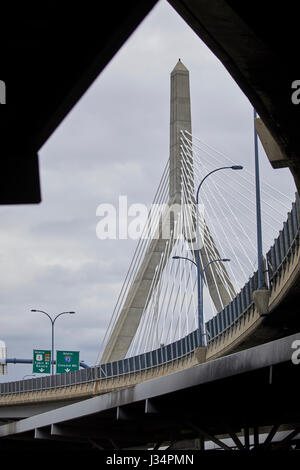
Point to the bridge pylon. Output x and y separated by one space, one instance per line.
140 289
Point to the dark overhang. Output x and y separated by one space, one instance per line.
258 48
51 52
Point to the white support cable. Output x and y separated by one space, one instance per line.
186 203
167 267
232 250
158 291
209 244
177 294
144 319
220 272
147 319
178 290
135 261
264 202
184 299
190 270
245 233
233 162
178 269
212 196
181 302
180 307
170 299
169 276
202 225
152 321
156 310
217 177
157 200
238 226
195 316
213 309
224 280
274 218
147 301
135 264
173 277
230 190
230 210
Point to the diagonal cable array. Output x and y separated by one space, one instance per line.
154 215
227 223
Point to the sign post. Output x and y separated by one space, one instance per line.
41 361
67 361
3 365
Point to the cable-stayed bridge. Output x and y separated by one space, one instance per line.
153 354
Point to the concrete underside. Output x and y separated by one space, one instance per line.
145 413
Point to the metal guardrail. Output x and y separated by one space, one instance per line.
284 246
285 242
15 360
136 364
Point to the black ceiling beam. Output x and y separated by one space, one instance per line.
51 53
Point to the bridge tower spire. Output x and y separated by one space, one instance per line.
180 119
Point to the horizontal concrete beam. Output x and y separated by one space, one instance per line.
275 154
268 354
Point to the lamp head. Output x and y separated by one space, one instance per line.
236 167
225 259
175 257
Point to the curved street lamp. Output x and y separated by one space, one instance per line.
200 276
52 329
200 272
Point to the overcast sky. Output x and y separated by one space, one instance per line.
114 142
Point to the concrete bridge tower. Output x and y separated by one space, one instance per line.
131 312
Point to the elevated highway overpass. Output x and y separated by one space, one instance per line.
230 396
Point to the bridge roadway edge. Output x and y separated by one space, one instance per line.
243 362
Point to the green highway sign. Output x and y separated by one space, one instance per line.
41 361
67 361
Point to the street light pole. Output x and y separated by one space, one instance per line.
200 272
258 213
200 276
233 167
52 332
